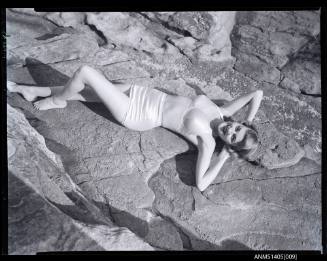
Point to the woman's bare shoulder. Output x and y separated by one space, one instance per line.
207 106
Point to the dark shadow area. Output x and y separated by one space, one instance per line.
124 219
140 228
229 244
219 102
31 209
67 156
185 167
101 109
186 163
45 75
165 91
78 212
56 32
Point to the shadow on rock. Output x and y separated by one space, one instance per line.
77 213
219 102
141 228
34 225
186 164
101 109
45 75
185 167
124 219
66 155
229 244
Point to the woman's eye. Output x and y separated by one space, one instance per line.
233 137
238 128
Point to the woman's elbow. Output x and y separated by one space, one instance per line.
259 93
201 186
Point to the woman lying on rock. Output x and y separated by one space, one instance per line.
199 120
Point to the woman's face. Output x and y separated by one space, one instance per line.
231 132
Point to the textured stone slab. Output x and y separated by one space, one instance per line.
302 76
47 211
241 213
267 40
276 150
24 28
296 116
121 29
51 50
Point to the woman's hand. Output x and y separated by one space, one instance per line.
232 153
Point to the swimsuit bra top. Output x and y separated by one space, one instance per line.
197 103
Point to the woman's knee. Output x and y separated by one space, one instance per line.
84 70
85 73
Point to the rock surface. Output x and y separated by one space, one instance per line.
279 47
119 189
241 208
46 210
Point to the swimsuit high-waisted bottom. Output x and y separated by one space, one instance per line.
145 108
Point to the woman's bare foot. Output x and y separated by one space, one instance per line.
30 93
50 103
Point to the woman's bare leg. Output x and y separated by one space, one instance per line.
30 93
114 99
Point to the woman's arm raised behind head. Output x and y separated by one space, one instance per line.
206 172
254 98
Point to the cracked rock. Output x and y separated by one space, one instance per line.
241 214
269 38
42 212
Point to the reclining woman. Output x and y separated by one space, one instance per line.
141 108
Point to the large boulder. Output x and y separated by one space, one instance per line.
202 36
46 210
303 74
265 41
